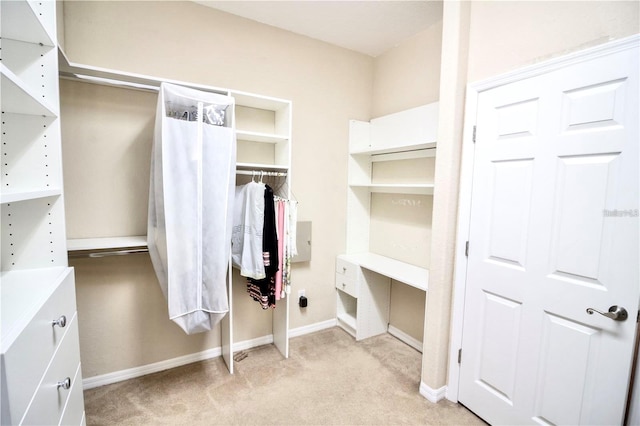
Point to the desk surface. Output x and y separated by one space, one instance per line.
400 271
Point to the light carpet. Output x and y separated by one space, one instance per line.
329 379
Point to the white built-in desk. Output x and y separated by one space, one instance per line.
363 283
400 271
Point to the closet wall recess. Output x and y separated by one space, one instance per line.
263 148
363 277
41 375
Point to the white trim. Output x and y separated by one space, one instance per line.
253 343
312 328
432 395
466 181
401 335
130 373
462 235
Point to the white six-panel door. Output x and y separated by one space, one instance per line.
554 231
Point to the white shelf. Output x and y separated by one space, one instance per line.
18 97
22 292
14 197
246 135
395 149
20 22
348 320
398 188
258 101
400 271
262 166
77 244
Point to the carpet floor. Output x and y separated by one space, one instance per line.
329 379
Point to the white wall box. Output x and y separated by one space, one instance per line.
263 133
39 341
363 277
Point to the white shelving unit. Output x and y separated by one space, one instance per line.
363 278
37 286
263 133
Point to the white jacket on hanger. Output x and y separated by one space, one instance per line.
248 225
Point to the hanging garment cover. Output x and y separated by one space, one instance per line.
191 203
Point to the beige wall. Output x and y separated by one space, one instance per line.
500 36
185 41
507 35
408 75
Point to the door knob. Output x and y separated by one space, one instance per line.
616 313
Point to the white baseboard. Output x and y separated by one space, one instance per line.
411 341
252 343
433 395
130 373
312 328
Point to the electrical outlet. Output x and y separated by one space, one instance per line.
301 293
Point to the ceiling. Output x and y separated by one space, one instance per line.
370 27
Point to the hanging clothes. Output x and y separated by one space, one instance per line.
280 227
263 291
263 241
290 247
248 224
270 234
191 203
292 222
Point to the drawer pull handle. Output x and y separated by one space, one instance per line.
60 322
65 384
344 285
344 269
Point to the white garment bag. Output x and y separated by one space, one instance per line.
191 203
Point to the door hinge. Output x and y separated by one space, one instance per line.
459 355
466 249
474 133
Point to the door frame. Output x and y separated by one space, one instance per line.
466 184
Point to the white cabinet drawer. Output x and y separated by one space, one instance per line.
346 268
74 411
50 399
26 360
349 286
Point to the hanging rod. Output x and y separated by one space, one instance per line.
147 85
109 82
260 172
105 253
107 246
